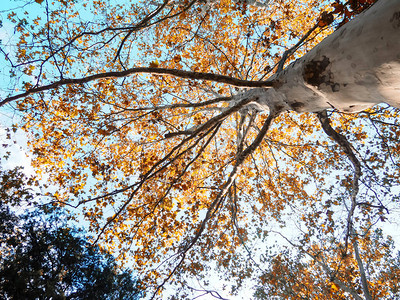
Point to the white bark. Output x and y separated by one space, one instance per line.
364 282
354 68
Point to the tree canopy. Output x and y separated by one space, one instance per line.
44 258
194 143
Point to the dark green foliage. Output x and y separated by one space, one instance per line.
42 258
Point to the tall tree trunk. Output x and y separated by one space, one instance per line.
354 68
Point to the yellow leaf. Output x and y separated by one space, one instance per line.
177 58
154 64
334 287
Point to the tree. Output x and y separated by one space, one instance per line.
48 260
175 124
291 277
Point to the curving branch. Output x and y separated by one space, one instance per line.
148 70
348 149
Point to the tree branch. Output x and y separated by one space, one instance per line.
140 25
324 266
349 151
290 51
214 206
364 282
342 141
149 70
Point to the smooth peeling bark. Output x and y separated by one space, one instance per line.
354 68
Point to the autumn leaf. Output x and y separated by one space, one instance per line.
177 58
154 64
